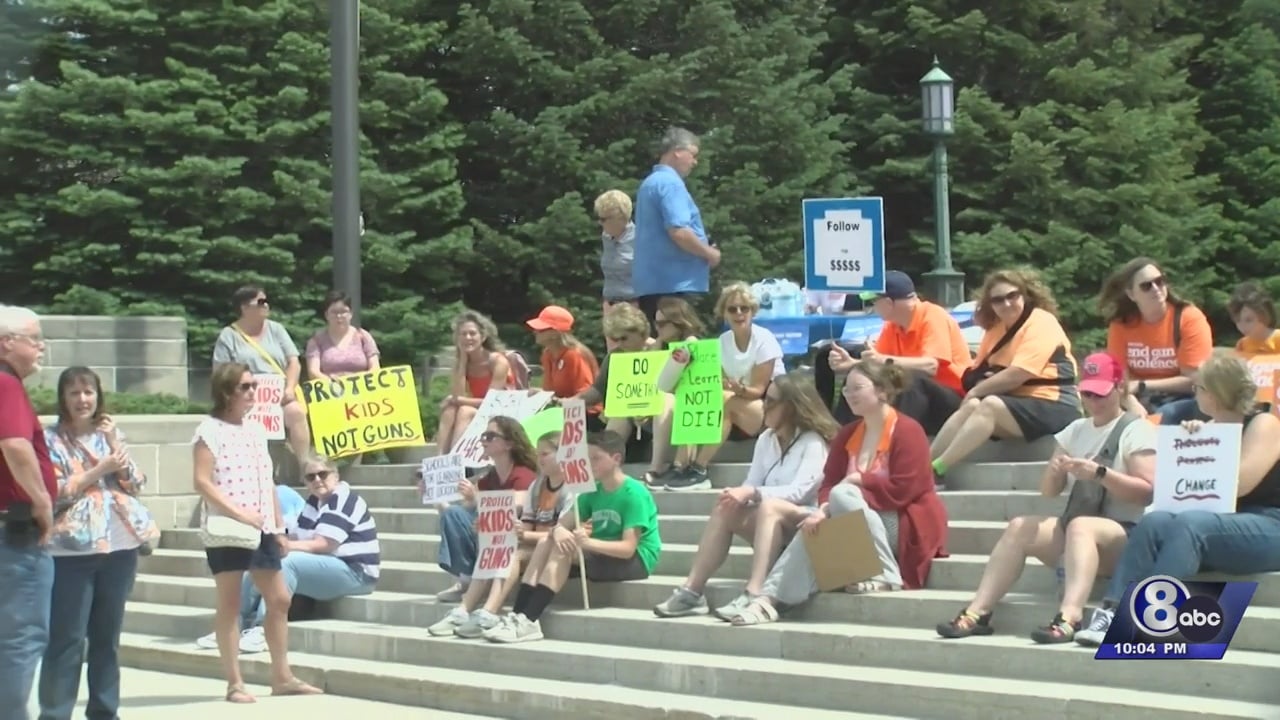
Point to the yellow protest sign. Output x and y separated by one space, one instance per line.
1263 367
364 411
633 384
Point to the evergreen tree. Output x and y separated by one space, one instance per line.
162 154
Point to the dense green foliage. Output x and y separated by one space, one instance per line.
45 401
156 154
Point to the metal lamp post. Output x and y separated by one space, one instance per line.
938 92
344 48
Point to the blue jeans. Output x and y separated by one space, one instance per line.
1239 543
322 577
89 593
1177 412
459 544
24 633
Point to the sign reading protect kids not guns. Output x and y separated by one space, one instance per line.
633 384
496 528
365 411
267 411
572 453
699 409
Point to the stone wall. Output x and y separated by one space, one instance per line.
131 354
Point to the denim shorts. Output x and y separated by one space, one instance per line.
231 559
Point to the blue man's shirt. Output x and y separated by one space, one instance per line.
661 267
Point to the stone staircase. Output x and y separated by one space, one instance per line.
841 656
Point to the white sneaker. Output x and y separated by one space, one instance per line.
1096 633
518 628
449 625
208 642
253 640
476 625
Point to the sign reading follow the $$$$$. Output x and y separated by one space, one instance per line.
843 244
365 411
633 384
699 409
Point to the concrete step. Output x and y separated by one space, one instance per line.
521 696
796 683
1015 616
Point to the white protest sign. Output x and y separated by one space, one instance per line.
440 478
515 404
496 520
572 453
267 411
1197 471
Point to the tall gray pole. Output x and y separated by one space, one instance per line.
344 41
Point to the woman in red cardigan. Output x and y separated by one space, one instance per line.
878 464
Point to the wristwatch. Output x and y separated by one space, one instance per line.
1142 387
1100 473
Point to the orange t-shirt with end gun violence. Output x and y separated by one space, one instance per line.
1042 348
568 372
931 333
1147 348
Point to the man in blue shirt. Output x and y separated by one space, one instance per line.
673 256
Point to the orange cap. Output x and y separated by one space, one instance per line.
552 317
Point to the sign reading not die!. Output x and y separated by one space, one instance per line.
268 412
572 453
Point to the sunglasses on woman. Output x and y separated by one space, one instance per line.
247 387
490 436
314 476
1149 285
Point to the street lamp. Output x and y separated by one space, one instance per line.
344 49
937 91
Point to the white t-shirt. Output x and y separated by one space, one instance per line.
761 348
794 477
241 467
1083 439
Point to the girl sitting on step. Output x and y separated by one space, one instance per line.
1108 462
780 490
542 509
879 465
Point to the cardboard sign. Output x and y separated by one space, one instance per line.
633 384
1197 471
365 411
699 407
441 476
267 411
515 404
1263 368
496 527
842 551
572 453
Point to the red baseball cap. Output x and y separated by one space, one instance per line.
552 317
1100 374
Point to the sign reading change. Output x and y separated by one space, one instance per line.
365 411
699 408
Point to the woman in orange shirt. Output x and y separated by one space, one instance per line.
568 366
481 366
1161 338
1254 314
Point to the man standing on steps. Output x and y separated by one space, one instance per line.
27 492
673 257
921 337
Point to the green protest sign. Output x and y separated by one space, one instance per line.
699 408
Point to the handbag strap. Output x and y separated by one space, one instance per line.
254 344
1007 337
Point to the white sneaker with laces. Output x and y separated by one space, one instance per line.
1099 623
208 642
449 625
253 640
516 630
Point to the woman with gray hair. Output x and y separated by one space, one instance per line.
618 249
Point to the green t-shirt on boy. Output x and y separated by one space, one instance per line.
630 506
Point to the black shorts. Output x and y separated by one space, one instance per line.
231 559
604 568
1037 418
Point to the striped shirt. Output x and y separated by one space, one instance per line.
344 518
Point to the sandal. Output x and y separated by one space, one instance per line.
866 587
757 612
294 686
239 695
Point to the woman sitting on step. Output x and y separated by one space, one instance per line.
481 365
1108 463
1244 542
879 465
780 490
542 508
514 462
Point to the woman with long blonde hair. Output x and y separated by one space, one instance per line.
481 366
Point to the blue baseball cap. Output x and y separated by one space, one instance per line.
897 286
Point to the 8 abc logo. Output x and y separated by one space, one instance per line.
1161 607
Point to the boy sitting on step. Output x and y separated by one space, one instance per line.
616 532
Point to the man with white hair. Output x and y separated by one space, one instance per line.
27 492
673 256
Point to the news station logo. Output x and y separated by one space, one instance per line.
1163 618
